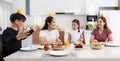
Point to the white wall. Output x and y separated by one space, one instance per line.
18 4
5 11
63 21
8 1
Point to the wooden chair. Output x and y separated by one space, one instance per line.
35 36
83 33
61 33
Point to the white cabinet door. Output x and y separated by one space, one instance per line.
114 18
93 5
43 7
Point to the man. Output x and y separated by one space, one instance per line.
12 36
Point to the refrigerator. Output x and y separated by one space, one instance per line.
113 20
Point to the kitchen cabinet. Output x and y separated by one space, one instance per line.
78 7
43 7
92 7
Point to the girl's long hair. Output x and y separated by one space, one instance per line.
48 20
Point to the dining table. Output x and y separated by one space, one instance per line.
107 53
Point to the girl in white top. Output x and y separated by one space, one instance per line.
48 34
76 35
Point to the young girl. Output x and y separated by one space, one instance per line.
76 35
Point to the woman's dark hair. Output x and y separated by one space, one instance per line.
48 20
78 23
105 21
17 16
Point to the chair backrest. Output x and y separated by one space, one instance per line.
61 33
35 36
83 33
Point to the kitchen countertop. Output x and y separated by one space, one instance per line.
85 54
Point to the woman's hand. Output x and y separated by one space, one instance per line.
59 41
94 40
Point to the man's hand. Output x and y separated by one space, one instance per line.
35 27
22 35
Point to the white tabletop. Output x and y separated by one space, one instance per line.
85 54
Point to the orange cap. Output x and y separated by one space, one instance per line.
101 15
19 11
50 14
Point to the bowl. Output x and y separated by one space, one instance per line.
97 47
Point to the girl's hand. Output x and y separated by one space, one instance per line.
81 38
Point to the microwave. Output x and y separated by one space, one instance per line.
92 18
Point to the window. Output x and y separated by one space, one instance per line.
5 11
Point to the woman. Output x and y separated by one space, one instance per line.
76 35
102 33
48 34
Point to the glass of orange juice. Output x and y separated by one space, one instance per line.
66 43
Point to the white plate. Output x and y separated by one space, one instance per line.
112 45
28 48
40 47
58 53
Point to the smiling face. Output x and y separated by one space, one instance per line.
52 24
75 26
100 23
